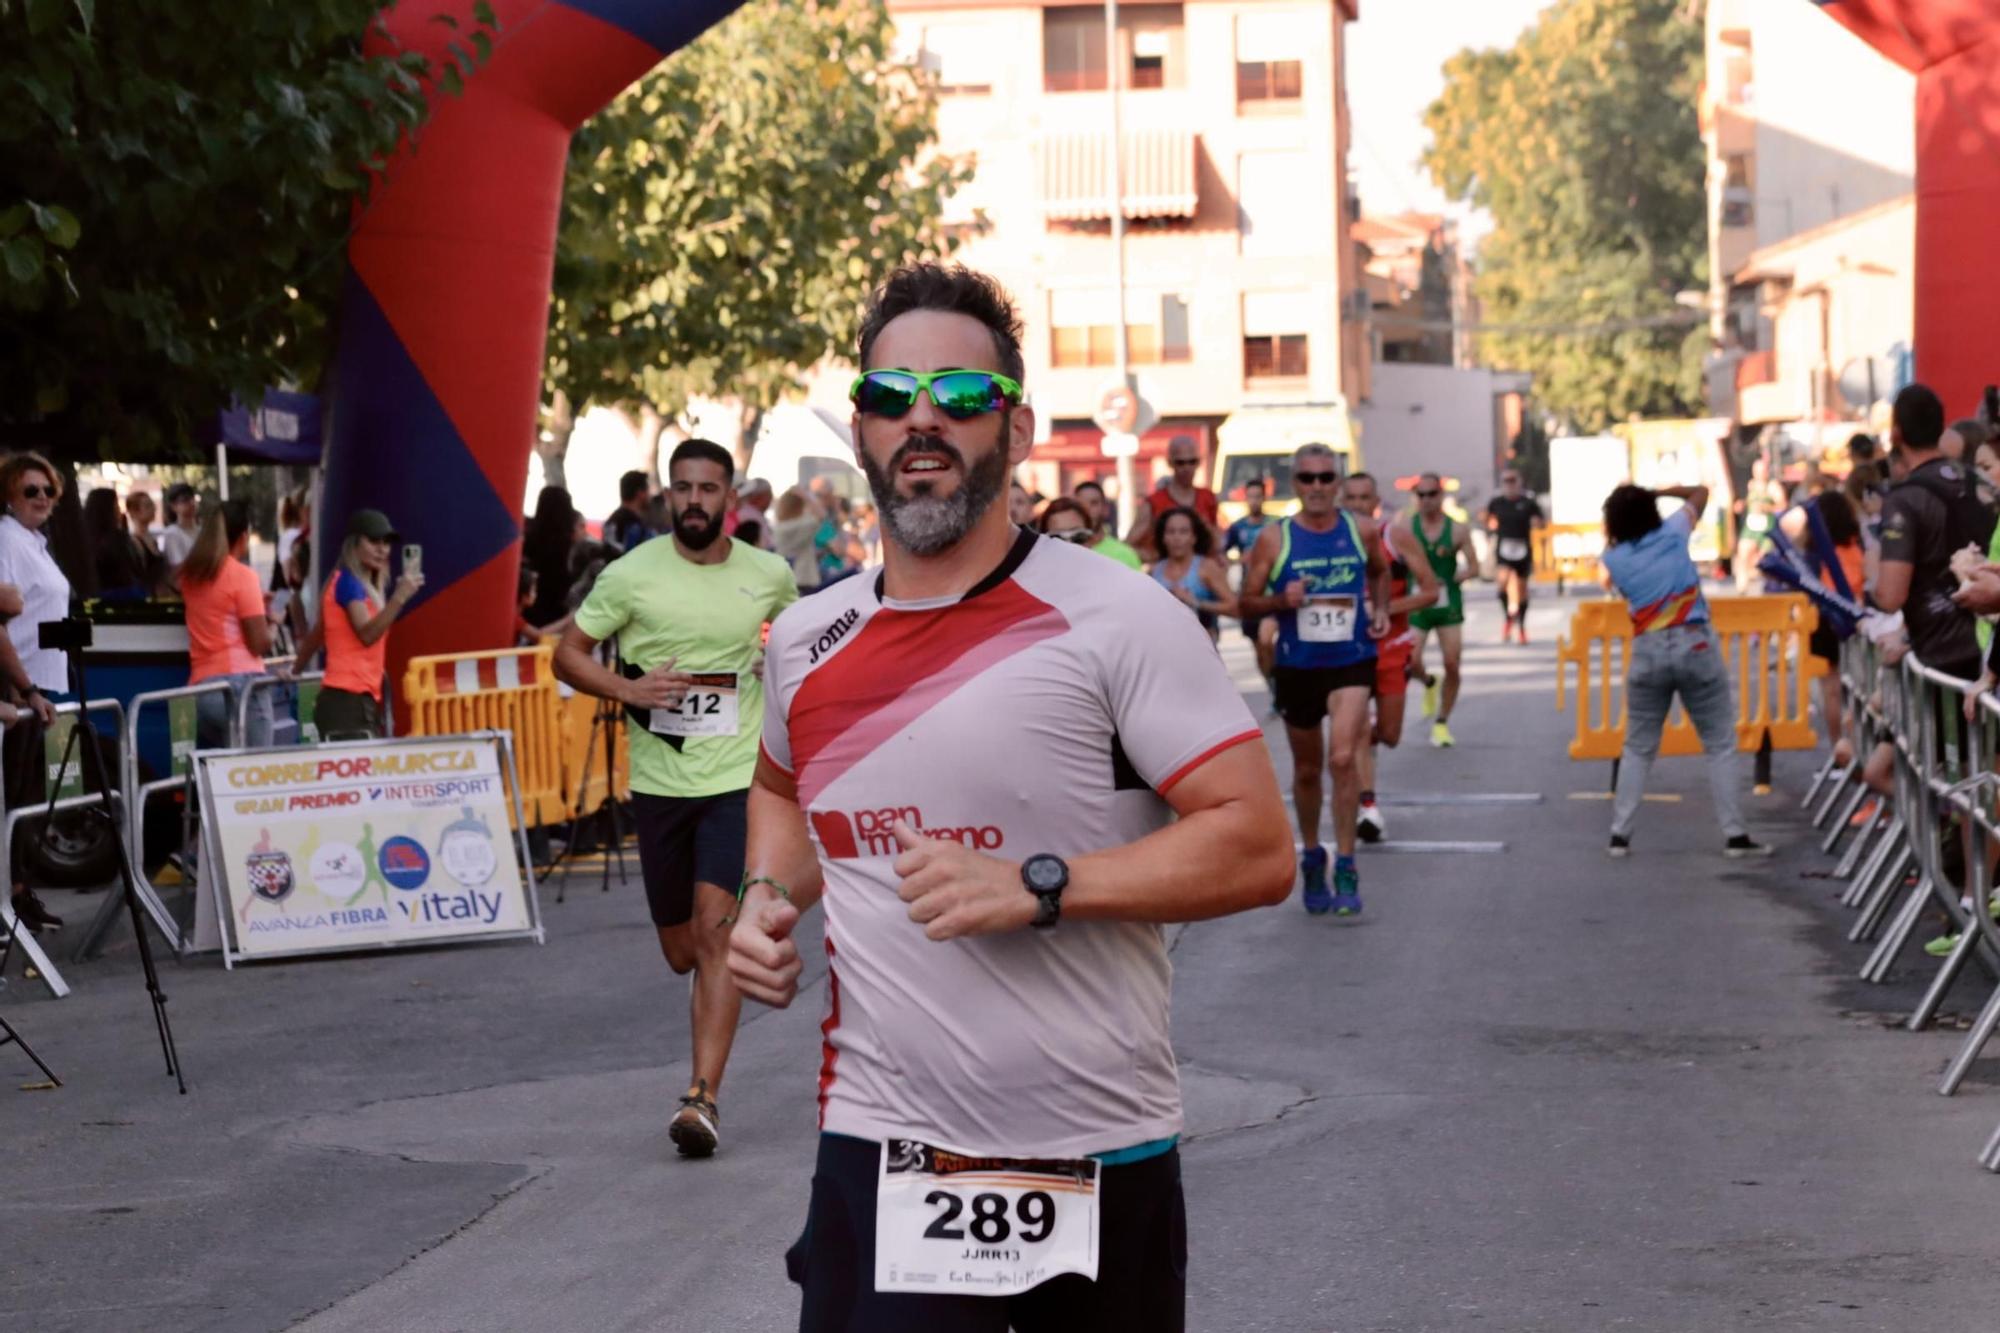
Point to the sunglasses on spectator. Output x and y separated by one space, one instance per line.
34 492
1183 462
1427 495
1077 535
959 394
1316 478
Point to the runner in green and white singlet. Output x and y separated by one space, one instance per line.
1442 540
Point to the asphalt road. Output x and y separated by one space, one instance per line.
1530 1089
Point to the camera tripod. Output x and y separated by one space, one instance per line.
72 636
607 722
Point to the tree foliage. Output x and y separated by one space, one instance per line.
177 184
723 219
1582 142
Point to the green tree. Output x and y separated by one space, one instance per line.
718 246
177 183
1582 143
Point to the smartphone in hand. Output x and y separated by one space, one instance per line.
413 560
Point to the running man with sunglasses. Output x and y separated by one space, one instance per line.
1412 587
1322 573
999 1111
1443 541
1178 491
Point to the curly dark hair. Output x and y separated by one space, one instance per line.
1630 512
957 290
1203 543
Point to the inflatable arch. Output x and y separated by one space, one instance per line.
438 368
1953 47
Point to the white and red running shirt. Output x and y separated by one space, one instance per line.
1046 710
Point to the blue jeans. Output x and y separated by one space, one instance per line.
1685 660
215 714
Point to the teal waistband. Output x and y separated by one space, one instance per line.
1138 1152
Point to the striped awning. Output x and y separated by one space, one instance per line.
1158 170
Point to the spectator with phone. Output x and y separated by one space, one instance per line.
355 616
229 634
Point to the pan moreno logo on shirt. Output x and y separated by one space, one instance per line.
850 835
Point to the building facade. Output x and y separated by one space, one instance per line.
1242 285
1811 163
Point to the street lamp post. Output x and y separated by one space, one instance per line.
1128 492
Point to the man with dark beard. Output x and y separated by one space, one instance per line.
689 616
999 1111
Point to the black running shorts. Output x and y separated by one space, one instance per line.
1141 1260
688 840
1302 691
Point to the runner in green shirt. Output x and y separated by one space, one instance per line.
1443 540
688 615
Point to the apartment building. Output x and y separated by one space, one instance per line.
1242 299
1811 167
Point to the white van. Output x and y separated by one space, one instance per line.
1257 442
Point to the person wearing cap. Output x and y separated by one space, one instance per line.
184 508
354 620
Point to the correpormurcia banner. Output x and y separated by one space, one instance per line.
365 846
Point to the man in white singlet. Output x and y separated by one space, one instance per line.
999 1108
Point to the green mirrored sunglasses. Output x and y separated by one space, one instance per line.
959 394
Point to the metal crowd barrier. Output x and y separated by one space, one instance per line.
1942 807
1764 644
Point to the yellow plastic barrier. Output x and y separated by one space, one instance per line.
512 690
1764 645
1568 553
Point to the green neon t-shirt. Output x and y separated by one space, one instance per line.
709 619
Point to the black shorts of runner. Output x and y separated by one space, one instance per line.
1302 691
1250 626
1825 645
688 840
1525 568
1141 1260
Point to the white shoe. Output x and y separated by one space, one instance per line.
1369 825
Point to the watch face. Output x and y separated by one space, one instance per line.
1045 874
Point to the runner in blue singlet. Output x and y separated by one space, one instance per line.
1322 574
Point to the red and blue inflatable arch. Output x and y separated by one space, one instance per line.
1953 47
438 366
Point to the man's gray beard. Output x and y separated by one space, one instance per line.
928 524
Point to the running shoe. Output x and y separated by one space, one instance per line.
1346 890
1312 869
1522 631
1506 631
1620 848
1942 946
696 1127
34 913
1368 826
1430 696
1441 736
1743 846
1865 816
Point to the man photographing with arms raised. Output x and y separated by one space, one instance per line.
976 757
